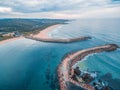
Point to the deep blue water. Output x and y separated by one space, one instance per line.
25 64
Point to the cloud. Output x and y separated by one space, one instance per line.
58 8
5 9
112 12
28 6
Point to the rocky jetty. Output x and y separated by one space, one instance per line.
65 68
54 40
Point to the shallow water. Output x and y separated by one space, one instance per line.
31 65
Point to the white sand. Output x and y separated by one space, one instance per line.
44 33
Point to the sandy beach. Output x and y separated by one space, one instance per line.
9 40
44 33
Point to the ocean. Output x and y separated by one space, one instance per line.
31 65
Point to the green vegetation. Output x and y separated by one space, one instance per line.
5 37
1 37
26 26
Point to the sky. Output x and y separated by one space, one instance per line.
63 9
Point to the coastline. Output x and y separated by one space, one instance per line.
42 34
10 39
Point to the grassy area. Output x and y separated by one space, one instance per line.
37 30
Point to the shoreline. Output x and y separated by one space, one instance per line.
10 39
43 34
65 67
44 37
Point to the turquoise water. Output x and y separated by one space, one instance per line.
31 65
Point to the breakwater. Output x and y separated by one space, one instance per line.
59 40
65 68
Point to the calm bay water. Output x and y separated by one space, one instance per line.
31 65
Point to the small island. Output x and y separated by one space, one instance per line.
68 76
